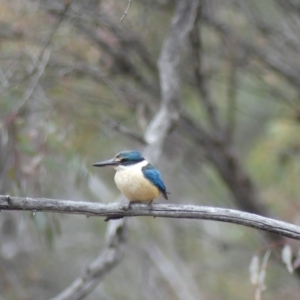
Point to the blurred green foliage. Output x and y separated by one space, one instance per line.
97 77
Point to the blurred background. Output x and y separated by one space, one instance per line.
78 86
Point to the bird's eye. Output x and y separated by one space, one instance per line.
124 159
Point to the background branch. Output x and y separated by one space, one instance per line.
154 136
157 210
207 90
109 257
126 11
200 74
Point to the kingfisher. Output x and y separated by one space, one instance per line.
136 178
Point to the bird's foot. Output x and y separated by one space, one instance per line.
150 204
126 207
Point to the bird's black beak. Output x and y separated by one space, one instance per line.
110 162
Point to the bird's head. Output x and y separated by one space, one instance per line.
124 158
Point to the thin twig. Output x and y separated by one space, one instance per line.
231 97
202 84
56 26
48 40
126 11
35 80
41 60
99 74
174 273
271 59
125 131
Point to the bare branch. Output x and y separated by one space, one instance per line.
157 130
125 131
269 58
231 97
127 38
202 84
173 274
157 210
47 42
126 11
122 63
39 70
168 64
109 257
229 166
97 73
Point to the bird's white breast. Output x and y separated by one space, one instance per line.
132 183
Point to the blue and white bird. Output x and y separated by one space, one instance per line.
137 179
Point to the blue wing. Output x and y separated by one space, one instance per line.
154 176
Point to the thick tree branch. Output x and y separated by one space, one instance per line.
156 210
